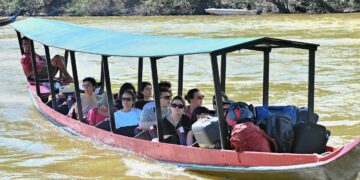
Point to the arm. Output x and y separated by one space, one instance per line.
189 138
92 116
144 119
26 65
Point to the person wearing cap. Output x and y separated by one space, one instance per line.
226 103
100 113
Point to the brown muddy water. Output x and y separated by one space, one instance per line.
31 147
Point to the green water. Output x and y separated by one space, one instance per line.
31 147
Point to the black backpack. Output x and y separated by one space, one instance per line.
281 129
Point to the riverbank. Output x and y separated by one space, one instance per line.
167 7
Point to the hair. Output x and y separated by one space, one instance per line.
164 89
91 80
126 86
190 94
178 98
142 87
199 110
223 95
25 38
131 93
166 84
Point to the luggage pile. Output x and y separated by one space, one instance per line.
282 129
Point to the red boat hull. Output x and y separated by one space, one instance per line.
341 163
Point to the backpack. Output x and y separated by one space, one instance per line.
301 116
281 129
239 112
264 112
249 137
310 138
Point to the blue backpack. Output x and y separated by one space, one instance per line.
239 112
263 112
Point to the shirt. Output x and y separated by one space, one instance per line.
149 115
26 62
169 129
94 117
124 119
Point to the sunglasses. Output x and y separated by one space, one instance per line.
180 106
200 97
125 99
166 97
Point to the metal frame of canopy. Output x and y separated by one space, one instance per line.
262 44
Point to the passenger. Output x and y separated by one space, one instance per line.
176 125
145 95
195 99
148 115
123 88
165 84
100 113
128 117
198 113
57 63
226 103
88 98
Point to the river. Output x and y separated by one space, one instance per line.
31 147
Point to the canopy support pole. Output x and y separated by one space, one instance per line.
311 85
219 103
20 43
157 98
223 72
66 57
105 66
181 75
102 79
51 80
36 75
266 78
76 84
140 73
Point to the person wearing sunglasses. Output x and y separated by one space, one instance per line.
195 99
176 125
125 87
148 115
128 115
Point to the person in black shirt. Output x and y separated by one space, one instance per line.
177 125
144 95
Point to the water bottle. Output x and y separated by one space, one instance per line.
57 87
69 101
182 135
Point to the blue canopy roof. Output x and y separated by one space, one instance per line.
105 42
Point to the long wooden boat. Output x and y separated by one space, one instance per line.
216 11
336 163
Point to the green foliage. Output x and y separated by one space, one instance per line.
78 8
167 7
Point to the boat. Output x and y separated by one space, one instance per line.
336 163
6 21
216 11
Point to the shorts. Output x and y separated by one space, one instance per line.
43 74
